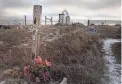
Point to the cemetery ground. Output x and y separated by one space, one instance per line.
73 53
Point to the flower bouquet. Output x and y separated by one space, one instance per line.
39 71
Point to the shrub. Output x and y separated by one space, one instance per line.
76 56
12 51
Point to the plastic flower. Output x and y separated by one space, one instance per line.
47 63
25 70
39 59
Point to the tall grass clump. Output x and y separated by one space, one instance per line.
12 51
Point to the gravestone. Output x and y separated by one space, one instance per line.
91 30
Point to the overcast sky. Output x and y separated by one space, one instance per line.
78 9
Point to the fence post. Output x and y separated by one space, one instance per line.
25 20
45 20
51 21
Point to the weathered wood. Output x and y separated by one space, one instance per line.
37 12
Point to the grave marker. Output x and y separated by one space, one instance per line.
37 13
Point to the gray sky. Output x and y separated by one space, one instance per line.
78 9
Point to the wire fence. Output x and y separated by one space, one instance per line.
22 22
30 22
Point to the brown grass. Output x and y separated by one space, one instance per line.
116 48
76 56
107 31
11 50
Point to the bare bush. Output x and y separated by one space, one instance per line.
77 56
74 55
108 31
11 50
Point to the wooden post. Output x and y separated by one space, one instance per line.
88 24
37 12
45 20
25 19
51 21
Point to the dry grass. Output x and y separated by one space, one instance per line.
76 56
11 50
107 31
116 48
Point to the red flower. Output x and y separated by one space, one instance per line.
46 63
39 59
